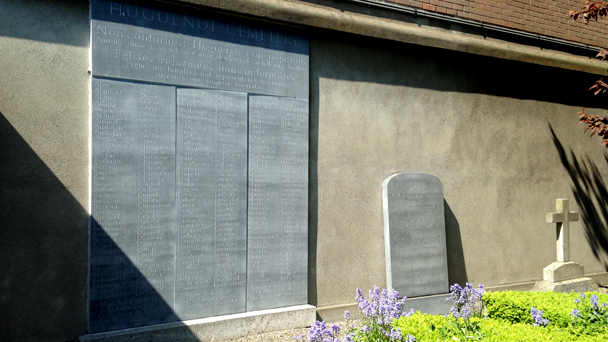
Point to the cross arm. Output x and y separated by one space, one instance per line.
557 217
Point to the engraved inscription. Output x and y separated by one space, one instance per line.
133 214
278 202
199 188
156 190
195 51
415 234
212 183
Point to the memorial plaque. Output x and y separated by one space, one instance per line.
133 205
212 203
414 234
140 43
199 187
278 202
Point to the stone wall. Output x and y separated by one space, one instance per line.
381 102
481 127
44 169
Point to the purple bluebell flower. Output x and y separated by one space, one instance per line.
396 334
319 332
575 313
382 306
576 300
594 300
410 338
583 295
467 300
365 328
465 313
349 337
537 318
346 314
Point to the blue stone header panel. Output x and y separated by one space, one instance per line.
145 44
198 26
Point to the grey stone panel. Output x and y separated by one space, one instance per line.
278 202
170 192
212 203
144 54
133 205
434 305
414 232
156 190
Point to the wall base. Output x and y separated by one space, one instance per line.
435 304
577 285
215 328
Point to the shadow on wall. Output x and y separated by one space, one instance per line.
43 247
120 295
44 258
424 67
457 271
591 195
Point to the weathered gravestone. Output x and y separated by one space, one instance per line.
414 234
199 167
564 275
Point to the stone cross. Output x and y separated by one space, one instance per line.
562 218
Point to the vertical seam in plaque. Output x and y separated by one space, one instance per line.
138 167
247 212
175 233
215 258
281 232
90 226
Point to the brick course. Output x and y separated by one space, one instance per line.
545 17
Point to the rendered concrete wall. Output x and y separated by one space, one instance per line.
479 124
44 175
377 108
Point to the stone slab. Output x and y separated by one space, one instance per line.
414 233
218 328
573 285
212 203
132 244
278 202
434 305
147 44
561 271
170 194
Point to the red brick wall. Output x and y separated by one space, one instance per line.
545 17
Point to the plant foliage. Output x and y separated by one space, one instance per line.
592 10
476 315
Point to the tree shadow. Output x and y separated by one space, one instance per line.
591 195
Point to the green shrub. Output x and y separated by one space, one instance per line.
509 316
514 307
430 328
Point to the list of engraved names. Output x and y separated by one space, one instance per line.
199 167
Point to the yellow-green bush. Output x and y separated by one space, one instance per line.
431 328
509 319
514 307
